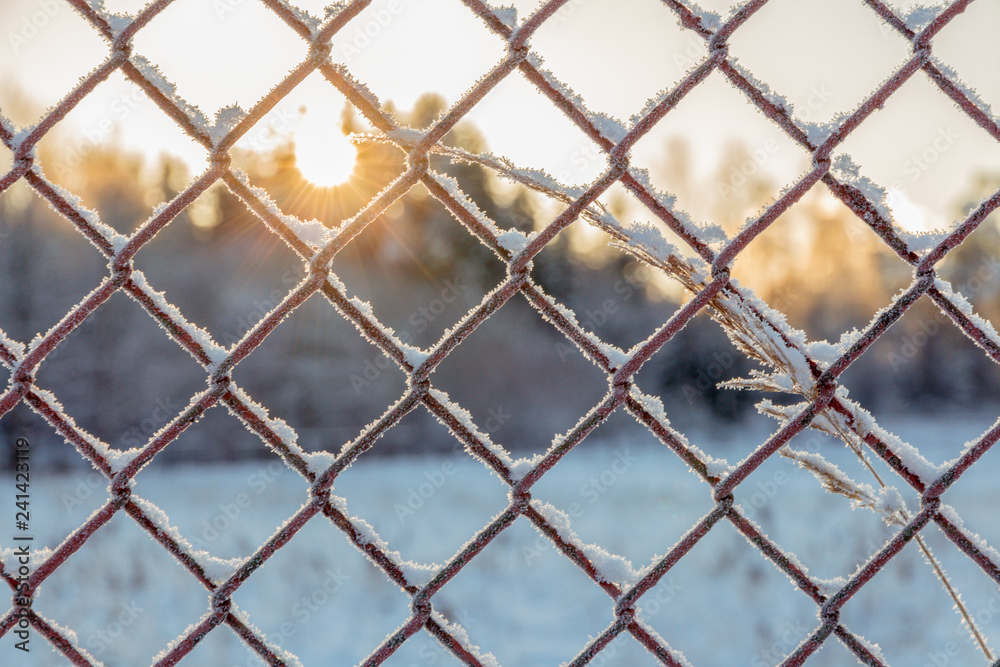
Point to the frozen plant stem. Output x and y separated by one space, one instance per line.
766 339
758 339
954 596
938 570
837 482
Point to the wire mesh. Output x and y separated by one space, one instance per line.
713 287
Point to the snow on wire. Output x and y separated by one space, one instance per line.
809 370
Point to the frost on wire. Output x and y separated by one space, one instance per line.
796 365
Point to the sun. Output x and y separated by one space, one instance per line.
323 155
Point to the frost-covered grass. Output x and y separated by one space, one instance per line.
520 600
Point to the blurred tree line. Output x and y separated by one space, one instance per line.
122 379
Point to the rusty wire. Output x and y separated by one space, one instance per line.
24 361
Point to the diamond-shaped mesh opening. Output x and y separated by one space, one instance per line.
500 404
358 389
529 569
610 293
421 502
626 490
143 408
687 373
925 167
154 597
718 178
516 120
842 59
724 561
223 41
854 534
421 270
102 151
232 519
516 378
927 629
834 272
912 357
253 270
301 145
300 597
430 31
603 77
420 495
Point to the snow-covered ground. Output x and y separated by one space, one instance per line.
520 600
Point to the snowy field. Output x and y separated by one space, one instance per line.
520 600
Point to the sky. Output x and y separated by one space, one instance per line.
824 56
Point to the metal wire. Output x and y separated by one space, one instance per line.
622 392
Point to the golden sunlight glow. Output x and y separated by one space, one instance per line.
322 153
910 216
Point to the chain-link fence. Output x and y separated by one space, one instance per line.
760 332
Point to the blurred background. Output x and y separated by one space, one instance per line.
119 377
122 379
